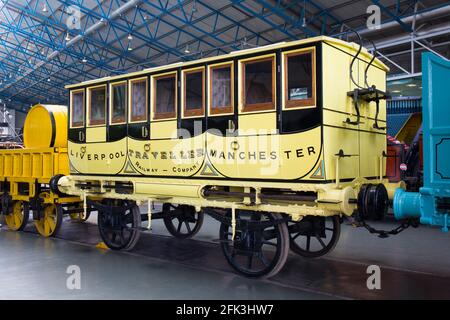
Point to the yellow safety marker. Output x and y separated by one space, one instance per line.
101 245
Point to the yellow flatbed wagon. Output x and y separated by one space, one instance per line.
25 174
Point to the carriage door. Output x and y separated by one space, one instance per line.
138 124
221 116
221 121
300 115
77 128
96 114
192 123
164 155
257 117
118 101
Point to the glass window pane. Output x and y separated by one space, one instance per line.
119 103
97 108
221 88
258 82
300 77
77 109
139 100
194 90
165 97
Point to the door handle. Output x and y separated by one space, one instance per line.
144 132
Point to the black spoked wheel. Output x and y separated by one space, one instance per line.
119 224
313 237
182 221
260 247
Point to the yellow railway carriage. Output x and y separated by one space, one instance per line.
25 174
277 143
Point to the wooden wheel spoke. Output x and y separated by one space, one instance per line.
269 243
296 236
263 259
17 219
52 223
187 226
250 261
320 241
47 226
269 234
113 236
122 238
308 243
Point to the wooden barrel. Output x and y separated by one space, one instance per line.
45 126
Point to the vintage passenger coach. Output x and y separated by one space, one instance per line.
277 143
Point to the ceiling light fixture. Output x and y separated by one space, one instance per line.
44 8
187 51
304 14
67 37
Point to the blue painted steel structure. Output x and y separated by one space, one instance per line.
398 112
40 52
432 202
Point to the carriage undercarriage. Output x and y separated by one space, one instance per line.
255 235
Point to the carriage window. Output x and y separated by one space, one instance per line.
77 110
300 80
259 82
194 93
221 89
97 105
138 101
118 102
165 97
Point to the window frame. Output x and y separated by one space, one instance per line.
111 102
257 107
72 92
166 115
130 99
226 110
88 109
305 103
199 112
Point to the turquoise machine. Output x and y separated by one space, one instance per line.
432 203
